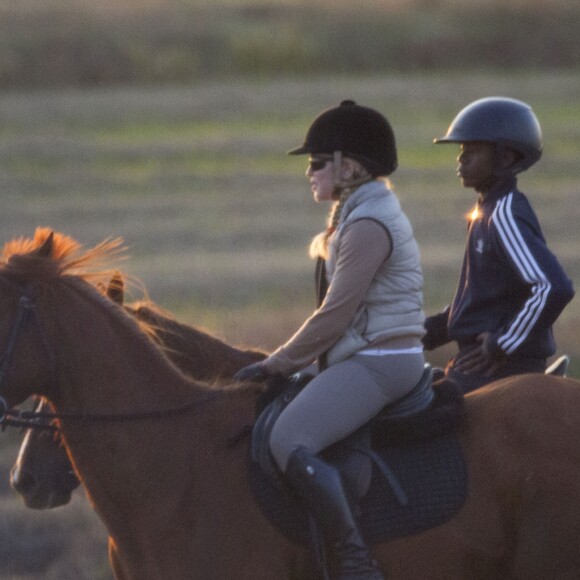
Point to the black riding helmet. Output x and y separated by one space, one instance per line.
360 133
501 120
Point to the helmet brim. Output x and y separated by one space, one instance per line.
443 140
302 150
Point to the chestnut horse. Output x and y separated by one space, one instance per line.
43 474
151 447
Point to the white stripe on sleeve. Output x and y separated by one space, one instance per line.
530 271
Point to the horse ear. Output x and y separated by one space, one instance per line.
46 249
115 290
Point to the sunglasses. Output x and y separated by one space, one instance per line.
317 164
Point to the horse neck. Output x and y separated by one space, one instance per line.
197 353
206 357
105 362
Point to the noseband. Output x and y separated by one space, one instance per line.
10 417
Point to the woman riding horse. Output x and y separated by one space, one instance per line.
367 329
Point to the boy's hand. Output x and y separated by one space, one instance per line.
480 360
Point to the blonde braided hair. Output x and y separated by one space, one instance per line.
319 245
344 189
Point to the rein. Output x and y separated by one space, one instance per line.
10 417
30 419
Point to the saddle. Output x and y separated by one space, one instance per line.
408 452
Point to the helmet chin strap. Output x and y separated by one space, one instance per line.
340 185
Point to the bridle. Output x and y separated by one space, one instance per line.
24 311
10 417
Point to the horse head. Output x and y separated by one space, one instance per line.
43 474
31 276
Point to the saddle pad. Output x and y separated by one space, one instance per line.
432 473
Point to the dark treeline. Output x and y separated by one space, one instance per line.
67 47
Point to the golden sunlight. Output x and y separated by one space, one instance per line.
475 213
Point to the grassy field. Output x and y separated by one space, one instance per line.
85 43
217 218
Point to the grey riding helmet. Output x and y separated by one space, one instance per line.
501 120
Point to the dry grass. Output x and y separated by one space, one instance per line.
57 43
375 5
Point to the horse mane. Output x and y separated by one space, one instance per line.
49 255
24 258
176 338
153 310
146 332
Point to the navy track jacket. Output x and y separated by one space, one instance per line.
510 284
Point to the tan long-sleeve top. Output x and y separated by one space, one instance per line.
365 245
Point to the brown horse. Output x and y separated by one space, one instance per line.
43 474
176 499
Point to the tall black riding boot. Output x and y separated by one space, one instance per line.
321 487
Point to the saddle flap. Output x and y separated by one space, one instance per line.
260 443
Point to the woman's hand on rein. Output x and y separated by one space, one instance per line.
253 372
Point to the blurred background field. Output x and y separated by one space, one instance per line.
82 42
175 137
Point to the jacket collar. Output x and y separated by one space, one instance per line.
371 190
501 188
